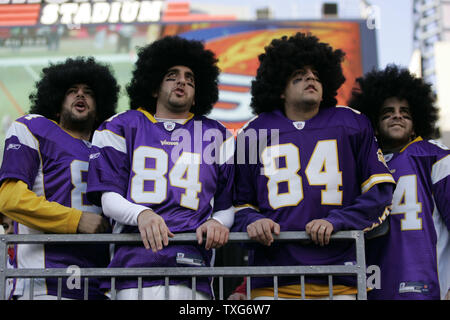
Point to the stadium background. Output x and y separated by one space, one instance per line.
237 44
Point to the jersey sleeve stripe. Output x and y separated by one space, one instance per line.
441 169
383 217
375 179
107 138
24 135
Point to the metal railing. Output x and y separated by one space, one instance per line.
358 270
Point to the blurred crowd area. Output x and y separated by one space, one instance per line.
74 39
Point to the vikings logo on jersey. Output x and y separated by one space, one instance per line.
314 169
419 226
182 171
381 158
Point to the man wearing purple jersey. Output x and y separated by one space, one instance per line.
414 258
44 169
163 168
320 173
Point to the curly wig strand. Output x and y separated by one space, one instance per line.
156 58
56 79
394 81
285 55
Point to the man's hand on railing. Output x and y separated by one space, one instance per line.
261 230
320 231
216 234
93 223
153 229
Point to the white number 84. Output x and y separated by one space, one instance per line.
322 169
184 174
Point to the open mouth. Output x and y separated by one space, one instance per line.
311 87
80 105
179 91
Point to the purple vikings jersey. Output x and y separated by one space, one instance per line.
53 164
180 171
414 258
327 167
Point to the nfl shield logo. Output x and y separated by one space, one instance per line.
169 126
299 124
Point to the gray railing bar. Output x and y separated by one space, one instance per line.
361 265
31 289
180 237
275 287
220 288
188 272
140 293
113 288
194 288
3 266
59 294
166 288
330 286
86 288
359 269
302 286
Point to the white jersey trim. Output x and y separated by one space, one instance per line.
442 251
31 256
107 138
375 179
440 170
24 135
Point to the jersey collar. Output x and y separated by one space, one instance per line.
152 118
414 141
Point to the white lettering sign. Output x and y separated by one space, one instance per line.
82 12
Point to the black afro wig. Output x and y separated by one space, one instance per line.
58 78
285 55
155 59
377 86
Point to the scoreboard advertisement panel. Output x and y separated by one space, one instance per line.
238 44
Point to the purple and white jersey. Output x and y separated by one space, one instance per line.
325 168
415 256
53 164
180 171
